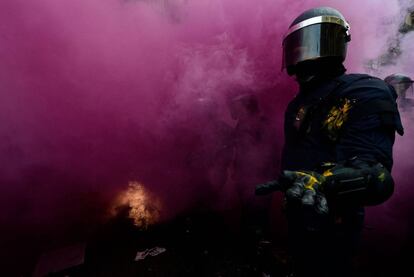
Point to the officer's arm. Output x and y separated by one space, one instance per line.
365 149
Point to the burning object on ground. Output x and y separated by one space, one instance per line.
142 207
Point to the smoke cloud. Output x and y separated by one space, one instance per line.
95 94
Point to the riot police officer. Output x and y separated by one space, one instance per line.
403 85
339 133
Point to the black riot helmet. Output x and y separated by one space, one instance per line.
315 34
401 83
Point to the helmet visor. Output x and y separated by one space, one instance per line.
313 42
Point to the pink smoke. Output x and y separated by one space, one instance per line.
98 93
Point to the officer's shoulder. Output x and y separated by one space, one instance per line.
365 87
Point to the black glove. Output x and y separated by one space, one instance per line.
306 188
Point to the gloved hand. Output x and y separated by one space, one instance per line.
306 187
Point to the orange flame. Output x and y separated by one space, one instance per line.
144 208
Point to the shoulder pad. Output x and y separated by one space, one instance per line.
371 95
362 87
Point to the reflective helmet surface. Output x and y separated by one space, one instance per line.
317 33
401 83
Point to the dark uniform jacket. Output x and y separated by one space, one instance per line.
342 118
349 116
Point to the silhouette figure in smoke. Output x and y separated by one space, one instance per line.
211 152
337 157
253 162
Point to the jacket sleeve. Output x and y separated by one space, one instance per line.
369 133
364 148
